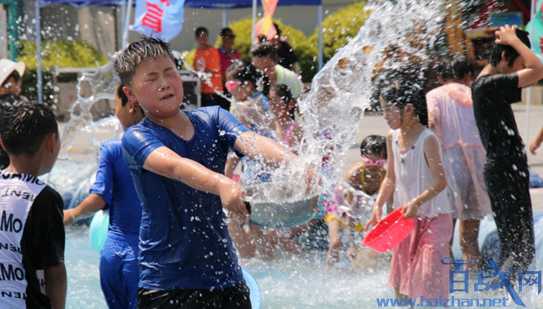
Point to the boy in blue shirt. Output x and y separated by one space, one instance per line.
114 189
187 259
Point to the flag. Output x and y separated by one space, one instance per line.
159 18
265 25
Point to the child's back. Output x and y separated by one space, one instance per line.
31 238
32 272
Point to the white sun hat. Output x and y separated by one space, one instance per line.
7 67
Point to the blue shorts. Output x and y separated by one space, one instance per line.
119 272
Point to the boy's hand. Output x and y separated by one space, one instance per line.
232 196
69 216
506 35
410 209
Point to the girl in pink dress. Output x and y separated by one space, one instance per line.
450 115
416 178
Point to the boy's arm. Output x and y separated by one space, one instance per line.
534 68
231 164
56 285
165 162
536 143
254 145
90 204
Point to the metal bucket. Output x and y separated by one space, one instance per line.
283 215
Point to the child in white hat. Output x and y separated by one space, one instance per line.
11 74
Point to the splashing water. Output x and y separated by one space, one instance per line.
81 137
331 112
340 92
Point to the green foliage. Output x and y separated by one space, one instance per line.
340 27
62 54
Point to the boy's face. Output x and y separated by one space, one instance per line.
11 86
201 39
518 65
228 41
157 87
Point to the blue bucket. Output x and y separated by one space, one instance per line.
253 289
98 230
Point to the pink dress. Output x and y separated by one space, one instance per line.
416 267
450 114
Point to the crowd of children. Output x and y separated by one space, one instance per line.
168 182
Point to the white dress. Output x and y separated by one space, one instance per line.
413 177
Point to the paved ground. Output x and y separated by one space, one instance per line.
529 123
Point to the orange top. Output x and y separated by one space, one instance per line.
209 59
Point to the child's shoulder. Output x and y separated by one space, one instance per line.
112 148
50 197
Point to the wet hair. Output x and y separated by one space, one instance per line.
510 53
201 30
29 125
129 59
283 92
120 94
461 67
375 145
265 50
406 85
15 75
243 72
455 67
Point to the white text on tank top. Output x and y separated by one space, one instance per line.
413 176
17 195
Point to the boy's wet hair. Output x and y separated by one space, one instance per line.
29 125
406 85
128 60
265 50
375 145
510 53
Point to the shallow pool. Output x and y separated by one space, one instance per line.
287 282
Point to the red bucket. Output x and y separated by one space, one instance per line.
389 232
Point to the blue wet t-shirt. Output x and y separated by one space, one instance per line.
184 240
114 184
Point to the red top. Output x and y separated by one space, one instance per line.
227 58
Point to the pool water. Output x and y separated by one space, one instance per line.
287 282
